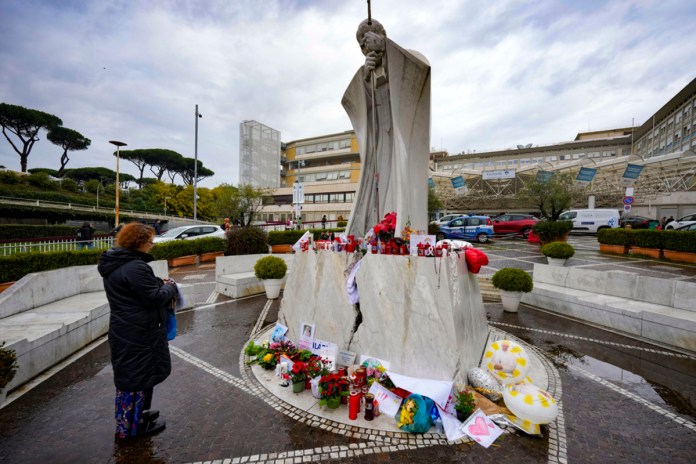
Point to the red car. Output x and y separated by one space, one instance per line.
519 224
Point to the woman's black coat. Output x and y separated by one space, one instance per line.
137 327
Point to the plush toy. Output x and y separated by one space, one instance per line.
475 259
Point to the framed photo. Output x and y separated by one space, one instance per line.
306 330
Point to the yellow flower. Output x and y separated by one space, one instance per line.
268 357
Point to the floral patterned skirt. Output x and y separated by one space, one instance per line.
129 412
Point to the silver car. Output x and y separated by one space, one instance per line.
190 233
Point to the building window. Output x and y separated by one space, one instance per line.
345 143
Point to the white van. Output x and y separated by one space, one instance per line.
591 220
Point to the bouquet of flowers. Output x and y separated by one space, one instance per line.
316 366
408 411
465 404
332 386
298 373
285 346
267 359
415 416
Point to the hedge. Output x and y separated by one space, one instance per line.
174 249
551 231
57 215
16 266
680 240
246 241
209 245
22 231
620 237
648 238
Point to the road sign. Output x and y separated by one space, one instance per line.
627 208
628 200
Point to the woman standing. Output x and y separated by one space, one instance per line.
137 328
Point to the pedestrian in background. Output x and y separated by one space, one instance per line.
137 328
323 222
85 236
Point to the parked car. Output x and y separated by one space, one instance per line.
591 220
684 221
446 218
514 224
467 228
687 227
190 233
637 222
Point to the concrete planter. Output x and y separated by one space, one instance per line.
682 256
183 261
614 249
272 287
286 248
210 257
556 261
510 300
5 285
650 252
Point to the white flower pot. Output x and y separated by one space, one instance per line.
510 300
272 287
556 261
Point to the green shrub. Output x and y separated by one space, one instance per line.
246 241
21 231
433 229
41 180
8 365
621 237
284 237
10 178
680 240
270 267
16 266
648 238
341 224
552 231
68 185
174 249
558 250
512 279
210 245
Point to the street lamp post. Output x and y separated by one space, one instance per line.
101 179
118 157
195 171
165 204
298 192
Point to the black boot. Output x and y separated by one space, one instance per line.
149 428
150 415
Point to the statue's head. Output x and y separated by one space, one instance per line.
371 36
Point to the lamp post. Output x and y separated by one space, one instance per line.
195 171
165 204
101 179
298 192
118 157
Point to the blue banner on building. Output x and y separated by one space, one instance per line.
544 176
586 175
459 185
632 171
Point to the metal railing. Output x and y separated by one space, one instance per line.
55 245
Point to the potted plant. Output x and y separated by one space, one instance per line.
557 252
552 231
8 369
332 387
271 269
316 368
209 248
297 375
680 245
512 282
648 242
465 404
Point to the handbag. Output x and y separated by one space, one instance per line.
171 325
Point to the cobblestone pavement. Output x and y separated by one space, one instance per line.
622 400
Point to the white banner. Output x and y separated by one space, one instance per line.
500 174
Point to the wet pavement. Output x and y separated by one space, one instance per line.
621 400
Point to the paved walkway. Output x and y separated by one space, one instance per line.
621 400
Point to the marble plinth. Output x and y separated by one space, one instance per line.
424 316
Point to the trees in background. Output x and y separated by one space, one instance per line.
553 195
68 140
25 125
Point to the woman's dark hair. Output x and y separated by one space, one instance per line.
134 235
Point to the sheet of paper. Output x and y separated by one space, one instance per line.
481 429
388 402
279 332
345 358
436 390
451 425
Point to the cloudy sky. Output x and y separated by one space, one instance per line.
505 72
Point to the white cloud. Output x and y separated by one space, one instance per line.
504 72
